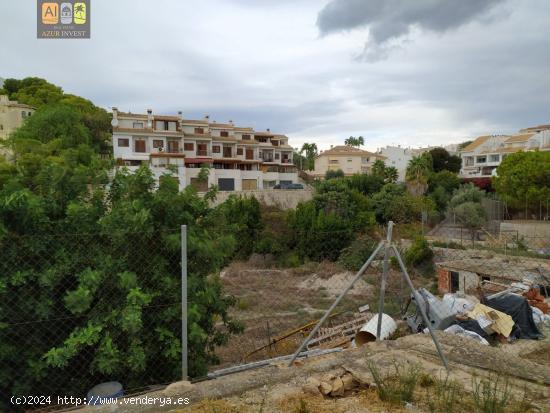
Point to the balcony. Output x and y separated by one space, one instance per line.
286 161
227 153
202 152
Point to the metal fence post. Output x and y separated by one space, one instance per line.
184 367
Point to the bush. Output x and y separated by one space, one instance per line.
334 174
419 255
353 257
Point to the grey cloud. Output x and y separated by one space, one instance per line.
390 20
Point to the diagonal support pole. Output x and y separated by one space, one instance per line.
333 306
387 247
421 308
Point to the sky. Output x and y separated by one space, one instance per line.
414 73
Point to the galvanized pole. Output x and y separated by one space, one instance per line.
384 278
184 367
337 301
418 300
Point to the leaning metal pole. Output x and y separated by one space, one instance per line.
333 306
387 247
417 298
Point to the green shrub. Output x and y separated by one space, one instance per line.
353 257
397 387
444 396
419 255
334 174
491 395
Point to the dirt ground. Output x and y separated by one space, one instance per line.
272 302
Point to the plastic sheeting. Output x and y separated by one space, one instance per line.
518 308
458 330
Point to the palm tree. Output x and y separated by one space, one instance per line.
379 168
391 174
353 141
311 151
417 174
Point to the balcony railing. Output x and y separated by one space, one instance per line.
202 152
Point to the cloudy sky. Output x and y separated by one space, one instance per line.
409 72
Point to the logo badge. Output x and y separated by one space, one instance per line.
50 13
66 13
80 13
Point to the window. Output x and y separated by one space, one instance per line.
216 148
277 155
246 137
239 151
494 158
188 146
333 161
123 143
481 159
227 152
132 162
349 159
158 143
1 127
224 134
138 125
139 145
173 146
199 131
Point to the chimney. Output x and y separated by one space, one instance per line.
114 122
269 130
149 118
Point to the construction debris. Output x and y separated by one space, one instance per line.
331 385
491 320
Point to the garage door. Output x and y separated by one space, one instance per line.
250 184
199 185
226 184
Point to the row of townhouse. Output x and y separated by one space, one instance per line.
240 158
481 157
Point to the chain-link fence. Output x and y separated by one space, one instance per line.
279 307
80 309
77 310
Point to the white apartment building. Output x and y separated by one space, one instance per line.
481 158
399 157
240 158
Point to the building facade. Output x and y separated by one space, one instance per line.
481 158
240 158
346 158
12 115
399 157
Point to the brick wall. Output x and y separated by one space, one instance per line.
443 280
